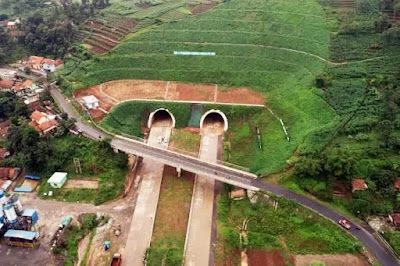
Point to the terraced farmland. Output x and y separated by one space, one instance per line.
101 36
275 47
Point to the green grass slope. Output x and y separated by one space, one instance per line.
276 47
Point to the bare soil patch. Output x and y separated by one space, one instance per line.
122 90
81 183
240 95
265 258
105 102
330 260
191 92
199 9
114 92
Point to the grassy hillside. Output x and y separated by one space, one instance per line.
276 47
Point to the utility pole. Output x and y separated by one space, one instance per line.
77 164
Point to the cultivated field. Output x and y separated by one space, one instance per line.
101 36
274 47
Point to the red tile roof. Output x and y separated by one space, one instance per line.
397 183
7 173
48 125
358 184
3 153
395 218
36 116
35 60
6 84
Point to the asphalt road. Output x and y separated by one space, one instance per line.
229 175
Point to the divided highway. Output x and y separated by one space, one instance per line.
232 176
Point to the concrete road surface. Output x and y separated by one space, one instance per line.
198 236
141 230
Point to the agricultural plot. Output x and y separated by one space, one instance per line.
274 47
163 10
101 36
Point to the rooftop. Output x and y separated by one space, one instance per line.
28 235
358 184
57 177
90 99
397 183
29 212
6 84
396 218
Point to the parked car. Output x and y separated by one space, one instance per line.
345 223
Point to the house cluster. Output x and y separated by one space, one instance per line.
41 64
24 88
12 27
43 121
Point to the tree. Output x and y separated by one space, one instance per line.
11 106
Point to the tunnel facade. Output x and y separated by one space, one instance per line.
161 114
213 115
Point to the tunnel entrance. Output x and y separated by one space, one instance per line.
161 118
214 120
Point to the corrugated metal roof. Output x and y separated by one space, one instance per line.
29 212
28 235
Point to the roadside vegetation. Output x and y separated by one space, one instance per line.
98 162
68 249
290 228
364 92
171 219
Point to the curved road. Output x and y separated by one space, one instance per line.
365 235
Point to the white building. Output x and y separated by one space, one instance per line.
58 179
7 74
50 65
91 102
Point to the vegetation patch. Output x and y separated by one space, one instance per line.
185 140
68 248
97 159
171 219
289 228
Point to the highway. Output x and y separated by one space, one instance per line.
232 176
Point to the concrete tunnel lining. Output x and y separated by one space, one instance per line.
152 115
217 112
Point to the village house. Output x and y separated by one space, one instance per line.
394 218
396 184
9 173
4 127
358 184
43 64
7 74
43 123
90 102
4 153
34 62
20 88
12 25
6 85
237 194
50 65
